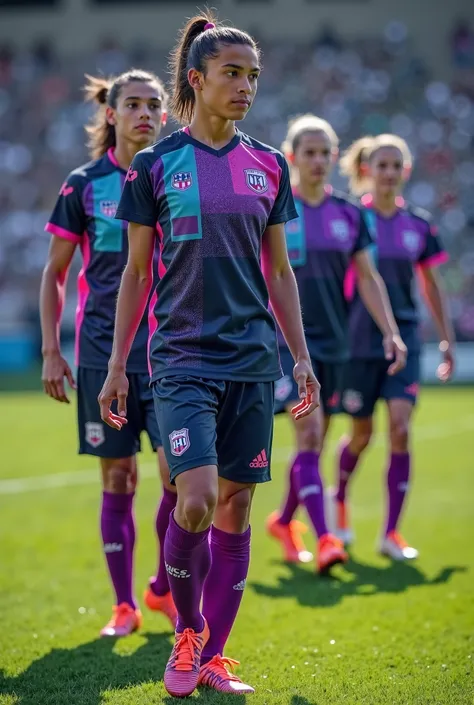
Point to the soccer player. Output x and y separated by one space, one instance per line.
329 236
131 111
406 243
220 199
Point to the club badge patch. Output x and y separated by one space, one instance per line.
108 208
182 180
95 435
179 441
256 180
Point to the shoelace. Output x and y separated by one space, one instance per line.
398 539
185 650
222 667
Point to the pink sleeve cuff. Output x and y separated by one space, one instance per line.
61 232
434 260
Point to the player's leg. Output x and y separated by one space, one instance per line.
116 452
186 410
362 385
280 524
248 435
157 595
310 434
400 393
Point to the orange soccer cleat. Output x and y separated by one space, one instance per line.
218 674
183 667
290 538
161 603
125 620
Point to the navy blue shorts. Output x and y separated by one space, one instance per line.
95 437
330 377
212 422
367 381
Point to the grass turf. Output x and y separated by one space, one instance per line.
375 633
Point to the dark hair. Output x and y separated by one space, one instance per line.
194 47
105 92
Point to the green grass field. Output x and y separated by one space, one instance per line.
374 633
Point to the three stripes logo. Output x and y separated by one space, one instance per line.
261 461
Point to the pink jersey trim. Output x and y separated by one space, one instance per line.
112 157
350 281
61 232
82 293
434 261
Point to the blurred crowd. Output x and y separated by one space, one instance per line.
378 84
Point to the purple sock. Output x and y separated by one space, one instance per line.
397 485
224 587
160 584
311 490
132 533
114 524
188 560
291 504
347 464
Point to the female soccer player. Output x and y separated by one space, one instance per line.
220 199
131 111
406 242
329 234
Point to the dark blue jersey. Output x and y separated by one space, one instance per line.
85 214
211 208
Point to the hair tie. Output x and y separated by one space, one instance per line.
209 25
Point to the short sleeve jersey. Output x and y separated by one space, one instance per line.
211 208
85 214
405 241
321 244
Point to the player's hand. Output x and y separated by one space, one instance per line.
308 389
446 368
55 369
396 350
115 387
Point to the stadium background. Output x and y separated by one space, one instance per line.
367 66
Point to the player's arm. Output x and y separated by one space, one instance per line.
435 298
285 302
373 293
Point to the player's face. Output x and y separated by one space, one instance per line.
386 169
313 158
139 114
229 84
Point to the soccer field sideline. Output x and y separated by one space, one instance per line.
148 470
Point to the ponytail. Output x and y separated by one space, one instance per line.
198 41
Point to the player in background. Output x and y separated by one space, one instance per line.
406 244
221 200
131 110
329 235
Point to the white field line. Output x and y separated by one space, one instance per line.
148 470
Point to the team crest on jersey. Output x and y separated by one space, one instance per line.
182 180
179 441
411 240
108 208
256 180
283 387
95 435
339 230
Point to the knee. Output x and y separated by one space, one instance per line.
399 435
233 511
360 440
120 478
197 511
309 438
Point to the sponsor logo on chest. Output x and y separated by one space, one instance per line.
410 240
339 230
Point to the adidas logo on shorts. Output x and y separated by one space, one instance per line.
260 461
